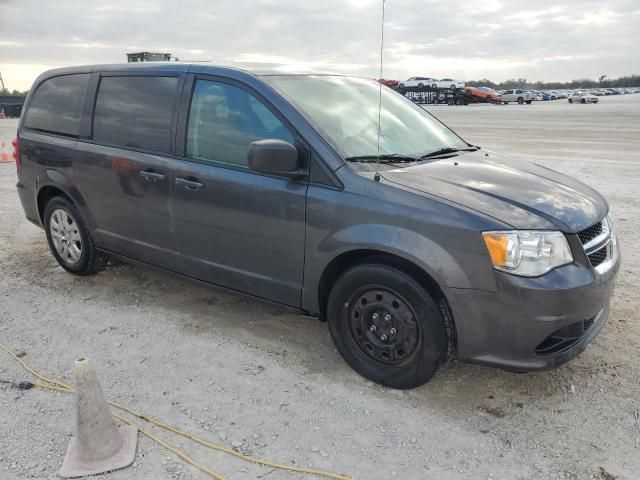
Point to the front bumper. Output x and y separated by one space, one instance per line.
532 324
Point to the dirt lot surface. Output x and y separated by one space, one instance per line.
242 373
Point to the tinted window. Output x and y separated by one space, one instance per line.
56 105
224 120
135 112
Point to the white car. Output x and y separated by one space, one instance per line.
419 82
428 82
582 97
448 83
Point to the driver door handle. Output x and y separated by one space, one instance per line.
189 183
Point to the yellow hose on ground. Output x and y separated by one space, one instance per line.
56 385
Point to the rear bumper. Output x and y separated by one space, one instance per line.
532 324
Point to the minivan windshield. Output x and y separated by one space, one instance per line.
345 112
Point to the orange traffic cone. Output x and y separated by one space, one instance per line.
5 158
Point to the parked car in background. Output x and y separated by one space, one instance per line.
484 93
389 83
583 97
518 95
419 82
448 83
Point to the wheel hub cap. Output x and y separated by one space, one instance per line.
65 236
383 326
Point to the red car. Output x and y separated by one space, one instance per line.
389 83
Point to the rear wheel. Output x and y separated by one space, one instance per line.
571 100
583 101
389 330
529 102
69 239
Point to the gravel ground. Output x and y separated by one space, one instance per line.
269 382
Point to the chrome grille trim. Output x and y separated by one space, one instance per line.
604 239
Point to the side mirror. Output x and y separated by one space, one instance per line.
274 156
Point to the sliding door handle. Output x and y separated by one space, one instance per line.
189 183
152 176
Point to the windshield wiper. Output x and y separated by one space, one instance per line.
447 151
384 158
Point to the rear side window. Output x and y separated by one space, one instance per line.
56 105
135 112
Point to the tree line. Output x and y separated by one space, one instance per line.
17 93
602 82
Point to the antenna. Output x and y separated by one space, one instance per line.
377 175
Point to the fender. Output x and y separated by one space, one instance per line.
51 177
433 258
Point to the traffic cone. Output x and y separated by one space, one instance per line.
99 445
5 157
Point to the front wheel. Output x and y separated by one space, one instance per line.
386 326
69 239
583 101
529 102
520 101
571 100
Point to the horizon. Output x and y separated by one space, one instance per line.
491 39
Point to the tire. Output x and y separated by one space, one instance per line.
421 85
553 98
416 342
401 86
571 100
583 101
434 86
529 102
453 87
80 256
520 101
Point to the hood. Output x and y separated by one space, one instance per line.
521 194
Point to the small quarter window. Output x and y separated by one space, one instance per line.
56 106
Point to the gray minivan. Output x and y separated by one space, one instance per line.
415 246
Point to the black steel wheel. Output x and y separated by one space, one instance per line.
386 326
382 324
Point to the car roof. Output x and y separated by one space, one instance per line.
179 67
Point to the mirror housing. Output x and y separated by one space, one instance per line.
274 156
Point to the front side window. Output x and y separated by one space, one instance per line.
135 112
225 119
344 110
56 105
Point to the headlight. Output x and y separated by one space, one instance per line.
527 253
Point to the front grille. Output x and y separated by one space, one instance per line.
599 256
590 233
598 242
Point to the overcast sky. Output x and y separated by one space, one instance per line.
467 39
